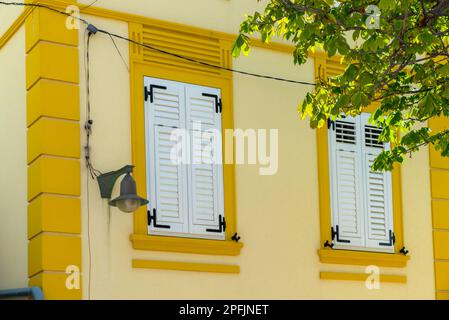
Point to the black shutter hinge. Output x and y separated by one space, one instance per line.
391 242
150 93
152 217
330 124
327 244
235 237
336 234
403 251
218 103
221 225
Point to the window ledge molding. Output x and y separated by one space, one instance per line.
392 260
185 266
390 278
185 245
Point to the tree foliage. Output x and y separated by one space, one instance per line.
401 63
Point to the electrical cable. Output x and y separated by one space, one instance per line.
120 54
164 51
90 5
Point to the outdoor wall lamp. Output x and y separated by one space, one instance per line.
128 200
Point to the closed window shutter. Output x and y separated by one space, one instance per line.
344 150
378 191
167 178
205 172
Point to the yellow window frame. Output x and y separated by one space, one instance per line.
139 68
325 67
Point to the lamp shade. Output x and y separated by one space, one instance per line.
128 200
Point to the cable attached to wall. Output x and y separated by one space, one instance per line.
257 75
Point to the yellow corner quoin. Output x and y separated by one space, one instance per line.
52 213
362 258
51 252
53 151
52 61
439 175
53 137
186 245
54 175
383 278
54 286
46 98
185 266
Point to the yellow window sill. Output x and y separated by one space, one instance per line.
185 245
361 277
185 266
363 258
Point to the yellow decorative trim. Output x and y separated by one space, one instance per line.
361 277
186 245
362 258
185 266
15 26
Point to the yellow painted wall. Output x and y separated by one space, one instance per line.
13 174
279 259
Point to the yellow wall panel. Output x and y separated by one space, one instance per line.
46 25
54 175
440 213
51 61
53 137
53 99
440 183
441 244
51 252
442 275
54 214
54 286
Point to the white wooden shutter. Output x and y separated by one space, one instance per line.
345 173
166 177
378 192
206 216
167 102
203 107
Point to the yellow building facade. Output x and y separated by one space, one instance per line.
54 222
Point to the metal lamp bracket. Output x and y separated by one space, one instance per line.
107 180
